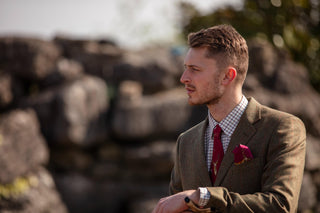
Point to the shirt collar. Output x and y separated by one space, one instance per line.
229 123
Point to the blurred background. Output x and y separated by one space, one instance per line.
91 104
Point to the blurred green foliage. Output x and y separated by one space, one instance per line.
293 25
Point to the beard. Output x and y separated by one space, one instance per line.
215 94
214 100
208 99
208 94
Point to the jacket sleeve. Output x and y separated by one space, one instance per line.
281 178
175 185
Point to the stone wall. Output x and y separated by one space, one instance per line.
86 126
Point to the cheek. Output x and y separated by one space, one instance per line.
208 83
212 84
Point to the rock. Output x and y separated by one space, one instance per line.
316 179
65 70
276 81
22 147
33 193
263 60
83 195
31 59
308 194
291 78
102 171
11 89
156 69
97 56
82 107
130 93
275 70
143 205
110 152
109 163
312 156
6 94
143 197
68 160
251 83
304 105
149 162
137 116
73 113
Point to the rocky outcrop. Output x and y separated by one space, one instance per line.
155 69
28 58
137 116
6 93
32 193
96 56
25 186
23 148
73 113
88 125
277 81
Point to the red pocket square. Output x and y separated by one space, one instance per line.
242 154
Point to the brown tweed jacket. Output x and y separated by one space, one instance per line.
270 182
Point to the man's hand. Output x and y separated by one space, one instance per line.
175 203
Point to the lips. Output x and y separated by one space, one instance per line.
190 89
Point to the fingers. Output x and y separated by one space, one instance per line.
160 206
171 204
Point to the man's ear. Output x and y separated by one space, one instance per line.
229 75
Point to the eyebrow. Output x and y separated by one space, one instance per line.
191 65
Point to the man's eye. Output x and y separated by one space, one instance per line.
191 68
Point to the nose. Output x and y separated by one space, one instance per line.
185 77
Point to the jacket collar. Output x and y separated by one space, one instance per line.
242 134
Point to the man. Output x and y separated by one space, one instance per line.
244 157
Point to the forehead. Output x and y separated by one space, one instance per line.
198 57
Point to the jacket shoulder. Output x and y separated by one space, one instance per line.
271 114
266 113
195 129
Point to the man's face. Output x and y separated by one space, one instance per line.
201 78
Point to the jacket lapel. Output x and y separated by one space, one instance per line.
199 154
242 134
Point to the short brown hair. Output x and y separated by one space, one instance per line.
225 42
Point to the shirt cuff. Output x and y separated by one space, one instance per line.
204 196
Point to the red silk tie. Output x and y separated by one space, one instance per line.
217 154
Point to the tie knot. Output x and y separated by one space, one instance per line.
217 131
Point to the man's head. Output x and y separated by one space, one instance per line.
225 45
215 65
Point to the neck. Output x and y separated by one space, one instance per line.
225 105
